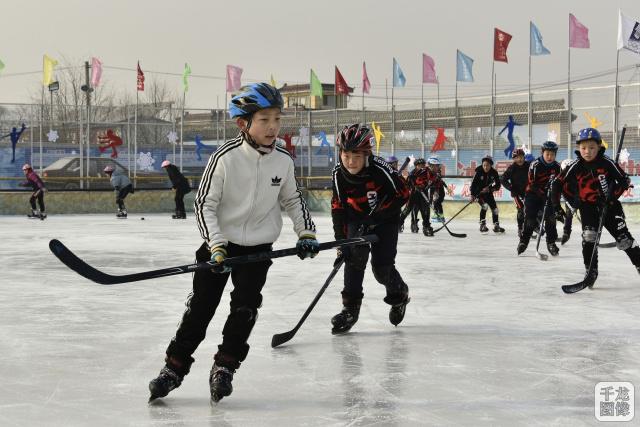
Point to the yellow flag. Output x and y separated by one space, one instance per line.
48 64
273 81
595 123
378 135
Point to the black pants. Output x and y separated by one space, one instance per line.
38 194
417 203
568 220
383 259
519 202
122 194
533 206
179 199
616 226
437 201
486 201
248 280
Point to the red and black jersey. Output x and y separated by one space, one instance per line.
419 179
354 196
482 180
515 178
586 182
540 174
436 182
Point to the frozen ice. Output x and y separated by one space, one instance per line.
488 338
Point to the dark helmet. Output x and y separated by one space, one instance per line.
419 161
487 158
587 134
550 146
255 97
355 137
517 152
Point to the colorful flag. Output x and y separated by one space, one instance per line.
628 33
96 71
535 41
464 68
273 81
48 64
378 135
578 34
233 78
500 44
185 77
140 79
399 80
366 84
341 85
428 69
315 85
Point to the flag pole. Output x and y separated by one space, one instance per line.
493 107
184 100
615 108
455 130
422 110
393 113
135 138
569 106
529 106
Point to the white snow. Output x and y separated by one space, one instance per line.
488 338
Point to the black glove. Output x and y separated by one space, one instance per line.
561 215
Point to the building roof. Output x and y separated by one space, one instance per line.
329 87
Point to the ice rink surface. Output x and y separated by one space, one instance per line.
488 338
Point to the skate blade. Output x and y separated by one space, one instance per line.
542 257
215 399
339 331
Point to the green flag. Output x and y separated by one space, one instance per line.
316 86
1 65
185 76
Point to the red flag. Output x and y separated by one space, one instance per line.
341 84
441 138
366 84
140 78
500 44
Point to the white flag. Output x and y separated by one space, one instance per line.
628 33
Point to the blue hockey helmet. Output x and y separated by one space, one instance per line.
255 97
589 134
550 146
392 159
433 161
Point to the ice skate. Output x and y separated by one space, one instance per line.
42 216
553 249
396 313
167 380
565 238
497 228
414 227
122 214
220 382
483 226
345 320
427 230
34 214
522 245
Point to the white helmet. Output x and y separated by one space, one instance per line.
433 161
565 163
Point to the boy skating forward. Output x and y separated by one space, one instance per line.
515 180
485 182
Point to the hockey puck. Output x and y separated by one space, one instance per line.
142 218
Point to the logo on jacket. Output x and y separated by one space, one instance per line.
372 198
275 181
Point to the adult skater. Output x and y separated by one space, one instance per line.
38 188
122 185
360 182
179 184
542 172
237 207
515 180
485 182
586 181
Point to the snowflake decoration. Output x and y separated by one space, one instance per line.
552 136
172 137
145 161
412 159
624 156
525 149
453 153
52 135
402 134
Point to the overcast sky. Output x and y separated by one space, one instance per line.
287 37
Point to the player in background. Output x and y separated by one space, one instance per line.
485 182
515 180
179 184
38 190
122 186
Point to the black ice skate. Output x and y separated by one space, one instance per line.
401 227
179 215
483 226
638 268
427 231
43 216
122 214
396 314
522 246
34 214
414 227
565 238
220 382
167 380
553 249
497 228
345 320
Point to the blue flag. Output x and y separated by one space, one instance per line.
535 42
464 68
399 79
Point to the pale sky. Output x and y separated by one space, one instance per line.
288 37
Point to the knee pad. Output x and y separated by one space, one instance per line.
625 241
496 211
589 235
240 316
485 206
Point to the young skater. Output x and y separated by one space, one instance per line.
122 185
586 182
436 188
38 188
542 172
237 208
363 183
566 215
515 180
418 182
179 184
485 182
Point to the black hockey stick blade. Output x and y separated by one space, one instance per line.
607 245
459 235
72 261
588 282
451 219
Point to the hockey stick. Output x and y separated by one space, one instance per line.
460 235
589 280
451 219
283 337
544 257
72 261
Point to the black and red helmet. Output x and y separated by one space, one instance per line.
355 137
517 152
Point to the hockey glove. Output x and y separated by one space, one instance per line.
561 215
218 255
307 246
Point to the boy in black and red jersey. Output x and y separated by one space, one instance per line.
485 182
515 180
360 182
586 182
542 172
419 180
436 189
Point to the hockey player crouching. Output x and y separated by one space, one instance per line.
360 182
585 182
485 182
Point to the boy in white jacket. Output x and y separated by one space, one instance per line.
237 210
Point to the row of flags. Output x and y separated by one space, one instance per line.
628 38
